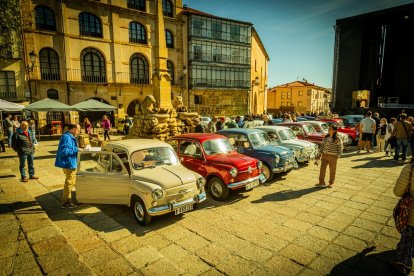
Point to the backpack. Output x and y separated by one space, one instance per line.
14 141
402 209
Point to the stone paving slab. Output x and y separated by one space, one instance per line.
286 228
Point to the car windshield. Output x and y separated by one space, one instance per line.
152 157
325 127
217 146
273 137
309 129
259 139
286 134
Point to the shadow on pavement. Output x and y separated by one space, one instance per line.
27 207
367 262
375 162
287 195
42 157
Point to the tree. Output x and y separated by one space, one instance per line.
10 28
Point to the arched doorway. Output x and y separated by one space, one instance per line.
132 107
95 117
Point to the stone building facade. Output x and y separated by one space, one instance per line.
298 96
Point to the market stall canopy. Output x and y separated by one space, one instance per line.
10 107
48 105
93 105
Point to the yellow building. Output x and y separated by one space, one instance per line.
114 51
298 96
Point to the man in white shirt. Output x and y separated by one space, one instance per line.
367 128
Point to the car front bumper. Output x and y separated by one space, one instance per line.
170 207
243 183
285 168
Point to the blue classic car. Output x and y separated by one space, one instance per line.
255 143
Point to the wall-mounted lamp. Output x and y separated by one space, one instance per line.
256 82
32 57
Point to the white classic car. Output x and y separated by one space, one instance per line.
304 150
144 174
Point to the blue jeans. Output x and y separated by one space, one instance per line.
9 137
403 143
22 158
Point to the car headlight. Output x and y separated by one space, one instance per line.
277 158
157 194
201 181
233 172
259 164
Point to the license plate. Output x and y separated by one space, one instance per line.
183 209
252 185
262 178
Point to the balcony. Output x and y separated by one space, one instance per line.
8 96
219 83
219 58
78 75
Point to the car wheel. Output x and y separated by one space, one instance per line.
140 212
217 189
267 172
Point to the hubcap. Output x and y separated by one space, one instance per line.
266 173
216 189
139 211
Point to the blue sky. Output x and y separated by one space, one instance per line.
298 34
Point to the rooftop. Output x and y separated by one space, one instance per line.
187 10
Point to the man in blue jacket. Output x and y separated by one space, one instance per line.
67 159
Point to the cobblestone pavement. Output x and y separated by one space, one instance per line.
286 228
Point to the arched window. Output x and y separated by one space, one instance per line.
49 64
90 25
93 66
139 69
169 38
167 8
137 33
170 67
136 4
45 18
53 94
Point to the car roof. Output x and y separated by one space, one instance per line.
201 137
294 123
137 144
240 130
273 127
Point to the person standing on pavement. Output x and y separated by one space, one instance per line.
106 125
402 133
331 150
16 123
127 124
23 144
368 128
390 130
220 124
211 127
67 159
199 128
10 129
382 130
411 140
377 123
405 247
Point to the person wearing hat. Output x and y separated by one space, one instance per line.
220 124
331 150
199 128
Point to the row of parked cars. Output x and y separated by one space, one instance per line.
155 178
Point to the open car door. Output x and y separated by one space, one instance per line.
102 178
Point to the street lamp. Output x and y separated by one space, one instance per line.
29 69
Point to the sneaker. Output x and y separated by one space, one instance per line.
34 177
320 185
68 204
24 179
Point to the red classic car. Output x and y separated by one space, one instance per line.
305 131
339 122
212 156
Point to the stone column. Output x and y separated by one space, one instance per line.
160 78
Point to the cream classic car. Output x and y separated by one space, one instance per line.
143 174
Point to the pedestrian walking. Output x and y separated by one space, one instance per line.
67 159
368 128
23 144
106 125
377 126
10 129
388 135
405 247
88 126
402 133
382 130
331 150
3 148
